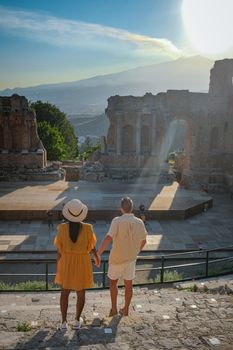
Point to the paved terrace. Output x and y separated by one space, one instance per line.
30 200
212 229
164 319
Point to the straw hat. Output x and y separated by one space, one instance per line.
75 210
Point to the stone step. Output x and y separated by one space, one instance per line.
221 285
159 319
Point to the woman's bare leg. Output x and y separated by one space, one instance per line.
64 303
80 303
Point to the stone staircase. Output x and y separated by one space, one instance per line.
160 319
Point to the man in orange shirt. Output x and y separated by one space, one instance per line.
128 236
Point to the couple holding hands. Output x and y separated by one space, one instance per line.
75 240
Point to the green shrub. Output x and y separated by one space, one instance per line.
88 151
53 141
46 112
24 327
192 288
169 276
28 285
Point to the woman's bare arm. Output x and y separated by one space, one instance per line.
96 257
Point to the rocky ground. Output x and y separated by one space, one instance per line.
160 319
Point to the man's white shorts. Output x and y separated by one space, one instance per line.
126 271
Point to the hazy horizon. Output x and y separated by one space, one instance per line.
50 42
60 83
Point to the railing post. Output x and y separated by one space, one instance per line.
207 264
46 276
162 269
104 274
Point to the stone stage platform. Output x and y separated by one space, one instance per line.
30 200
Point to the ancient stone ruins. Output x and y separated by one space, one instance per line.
142 129
142 132
22 154
20 145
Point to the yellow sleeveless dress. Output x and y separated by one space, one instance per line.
74 268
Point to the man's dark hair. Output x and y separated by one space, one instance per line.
127 204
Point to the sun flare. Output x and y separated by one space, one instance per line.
208 25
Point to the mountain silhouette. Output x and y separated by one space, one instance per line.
89 96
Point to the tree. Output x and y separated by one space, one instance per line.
53 141
52 115
88 150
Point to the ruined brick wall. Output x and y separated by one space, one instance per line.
141 129
220 117
20 145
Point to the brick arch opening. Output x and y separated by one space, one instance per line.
214 138
128 139
6 106
1 137
177 135
16 140
112 137
159 132
180 138
173 137
15 124
145 139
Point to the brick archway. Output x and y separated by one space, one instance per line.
145 139
1 137
128 139
214 138
112 137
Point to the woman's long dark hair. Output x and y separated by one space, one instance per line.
74 230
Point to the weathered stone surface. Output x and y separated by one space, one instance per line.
72 172
142 129
218 285
22 154
20 145
199 328
92 171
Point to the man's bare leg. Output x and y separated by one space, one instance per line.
128 297
113 294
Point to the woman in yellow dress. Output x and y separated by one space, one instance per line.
74 241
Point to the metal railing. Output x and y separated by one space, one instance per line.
181 260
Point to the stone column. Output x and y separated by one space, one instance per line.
153 136
118 136
138 135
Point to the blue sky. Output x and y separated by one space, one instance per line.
56 41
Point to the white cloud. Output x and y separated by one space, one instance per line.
63 32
